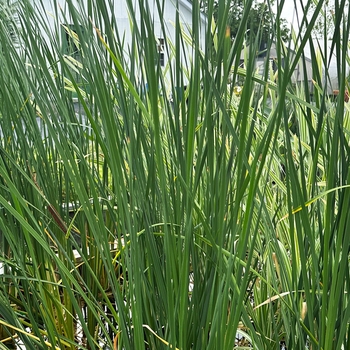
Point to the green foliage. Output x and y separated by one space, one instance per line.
129 220
326 25
8 19
261 23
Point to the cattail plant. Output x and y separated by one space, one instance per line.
151 207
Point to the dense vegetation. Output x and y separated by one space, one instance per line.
260 23
165 217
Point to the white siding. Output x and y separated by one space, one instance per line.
55 16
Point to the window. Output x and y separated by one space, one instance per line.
160 49
262 52
72 37
70 41
273 61
273 64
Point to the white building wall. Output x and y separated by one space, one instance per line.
57 12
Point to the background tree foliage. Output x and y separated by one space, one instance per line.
325 25
261 23
8 18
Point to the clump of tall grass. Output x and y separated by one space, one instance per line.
209 220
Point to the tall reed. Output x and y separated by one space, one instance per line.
138 214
